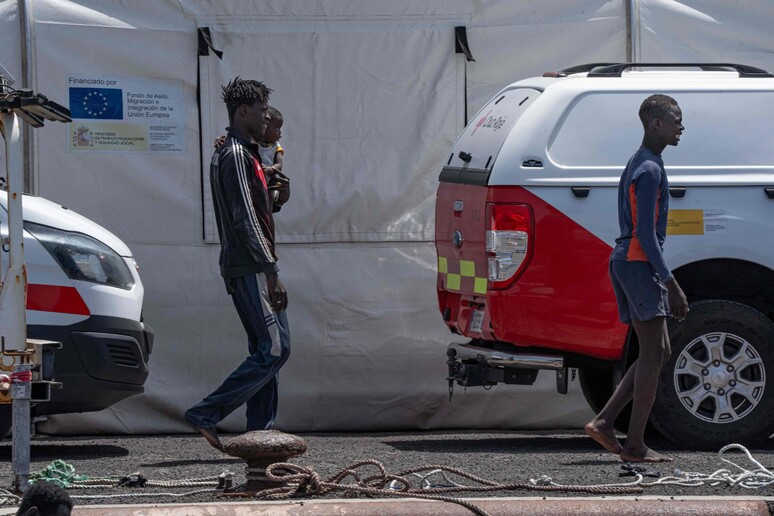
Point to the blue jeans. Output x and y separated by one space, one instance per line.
255 381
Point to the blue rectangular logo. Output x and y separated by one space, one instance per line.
99 103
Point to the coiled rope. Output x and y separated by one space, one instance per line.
302 481
299 481
755 478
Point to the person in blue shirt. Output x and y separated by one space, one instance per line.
645 289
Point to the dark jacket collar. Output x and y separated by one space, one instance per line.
247 142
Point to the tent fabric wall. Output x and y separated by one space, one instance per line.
356 255
359 100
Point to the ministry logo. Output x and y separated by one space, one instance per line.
97 103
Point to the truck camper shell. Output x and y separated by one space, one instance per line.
526 220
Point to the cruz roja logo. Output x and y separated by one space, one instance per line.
489 122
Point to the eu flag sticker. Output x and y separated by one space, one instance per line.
101 103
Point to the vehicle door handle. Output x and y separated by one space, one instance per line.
580 191
677 191
769 192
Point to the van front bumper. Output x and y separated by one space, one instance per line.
102 361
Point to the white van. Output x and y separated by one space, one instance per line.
84 291
526 218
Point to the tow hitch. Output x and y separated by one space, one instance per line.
473 366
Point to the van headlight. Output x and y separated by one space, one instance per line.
82 257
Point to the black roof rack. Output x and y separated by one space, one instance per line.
581 68
615 70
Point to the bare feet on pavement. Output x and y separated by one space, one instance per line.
646 455
604 436
212 437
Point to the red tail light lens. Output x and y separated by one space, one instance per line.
508 242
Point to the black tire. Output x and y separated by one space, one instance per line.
707 400
5 420
597 387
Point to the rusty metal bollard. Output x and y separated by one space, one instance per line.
261 448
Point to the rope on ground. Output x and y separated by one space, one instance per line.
299 481
755 478
305 481
8 498
137 480
58 472
140 495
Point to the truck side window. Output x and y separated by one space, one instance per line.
723 129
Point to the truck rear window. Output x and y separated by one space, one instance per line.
480 142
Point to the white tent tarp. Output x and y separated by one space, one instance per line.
373 96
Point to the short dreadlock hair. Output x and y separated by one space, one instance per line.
46 496
656 106
275 114
240 92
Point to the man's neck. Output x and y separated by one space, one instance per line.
241 131
653 146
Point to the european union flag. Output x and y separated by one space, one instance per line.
101 103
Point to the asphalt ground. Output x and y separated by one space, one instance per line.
568 457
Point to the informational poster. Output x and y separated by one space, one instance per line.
697 222
122 114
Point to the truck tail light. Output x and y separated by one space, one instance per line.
509 242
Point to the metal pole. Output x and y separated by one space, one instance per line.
13 318
21 392
28 80
633 43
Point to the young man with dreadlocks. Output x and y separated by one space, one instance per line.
248 264
644 287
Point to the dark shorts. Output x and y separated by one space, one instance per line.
640 293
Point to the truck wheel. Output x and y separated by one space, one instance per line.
597 387
718 386
5 419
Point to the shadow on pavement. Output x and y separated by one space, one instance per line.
68 452
497 444
192 462
531 444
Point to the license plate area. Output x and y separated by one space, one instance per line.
476 321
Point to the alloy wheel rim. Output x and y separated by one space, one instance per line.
719 377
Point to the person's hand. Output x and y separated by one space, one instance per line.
678 303
277 294
220 140
281 183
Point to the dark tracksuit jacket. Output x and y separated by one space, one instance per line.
243 210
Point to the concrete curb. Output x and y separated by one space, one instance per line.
536 506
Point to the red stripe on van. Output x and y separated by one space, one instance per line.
56 298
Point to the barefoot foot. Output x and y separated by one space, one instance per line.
646 455
212 437
604 436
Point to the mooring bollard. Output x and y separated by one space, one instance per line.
261 448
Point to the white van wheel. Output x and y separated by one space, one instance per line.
718 386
